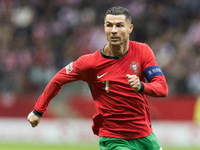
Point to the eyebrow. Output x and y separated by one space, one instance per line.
115 23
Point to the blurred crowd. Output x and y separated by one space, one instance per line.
39 37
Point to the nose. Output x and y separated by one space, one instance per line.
114 29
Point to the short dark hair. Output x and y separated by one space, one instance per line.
118 10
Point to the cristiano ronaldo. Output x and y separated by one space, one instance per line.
116 76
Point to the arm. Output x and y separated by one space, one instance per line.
49 93
157 86
77 70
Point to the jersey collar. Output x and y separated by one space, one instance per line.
111 57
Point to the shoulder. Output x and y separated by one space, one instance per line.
137 45
87 61
89 57
143 48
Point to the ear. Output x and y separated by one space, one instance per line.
131 27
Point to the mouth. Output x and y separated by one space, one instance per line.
114 38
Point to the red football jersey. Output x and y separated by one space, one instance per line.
122 113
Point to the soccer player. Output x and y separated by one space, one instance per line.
116 76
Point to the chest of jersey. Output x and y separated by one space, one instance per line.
117 69
111 74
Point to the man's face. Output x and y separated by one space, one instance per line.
117 29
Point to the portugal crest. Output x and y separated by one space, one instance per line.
134 66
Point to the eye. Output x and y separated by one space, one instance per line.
119 25
108 25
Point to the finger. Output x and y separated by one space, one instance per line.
29 115
34 123
128 75
134 84
131 77
137 87
133 80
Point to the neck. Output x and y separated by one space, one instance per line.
116 50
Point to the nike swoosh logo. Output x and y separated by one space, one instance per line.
98 77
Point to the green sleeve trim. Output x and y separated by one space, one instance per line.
37 113
141 87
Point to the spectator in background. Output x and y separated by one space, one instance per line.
166 26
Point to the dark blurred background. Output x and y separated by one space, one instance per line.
38 38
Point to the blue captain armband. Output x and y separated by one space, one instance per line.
152 71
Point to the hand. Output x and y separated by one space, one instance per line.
33 119
134 82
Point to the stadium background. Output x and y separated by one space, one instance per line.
38 38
